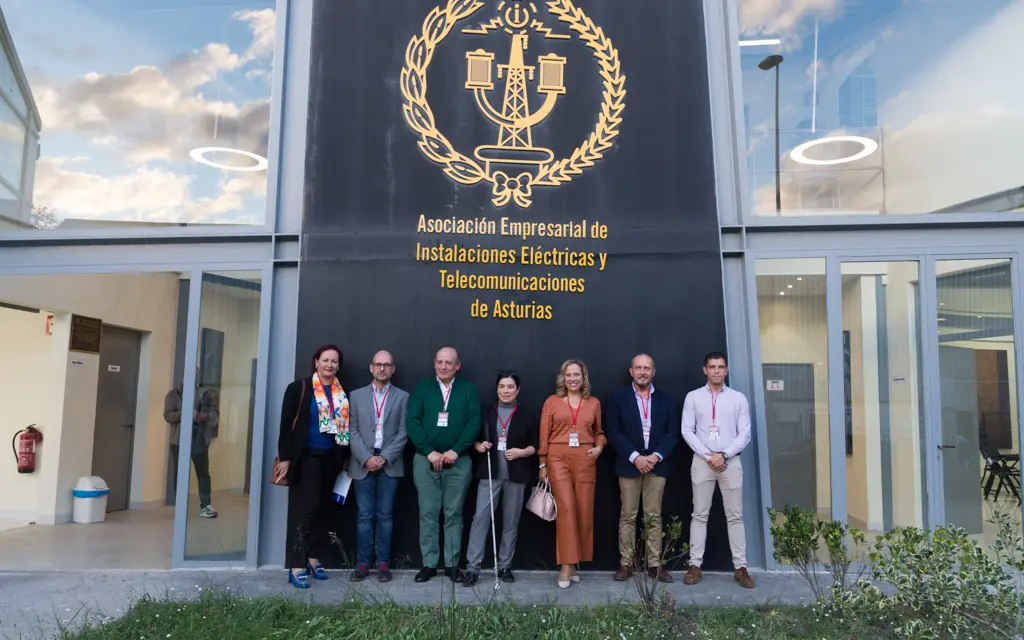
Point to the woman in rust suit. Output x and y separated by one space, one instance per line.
571 439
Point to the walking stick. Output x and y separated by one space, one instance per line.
494 533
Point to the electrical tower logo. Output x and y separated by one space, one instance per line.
515 163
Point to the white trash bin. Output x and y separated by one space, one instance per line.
90 500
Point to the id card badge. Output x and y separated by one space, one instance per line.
502 444
713 432
574 439
442 419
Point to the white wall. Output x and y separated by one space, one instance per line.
142 302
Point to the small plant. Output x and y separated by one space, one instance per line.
672 549
799 538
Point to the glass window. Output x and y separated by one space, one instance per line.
12 146
150 112
978 382
882 106
885 482
9 83
218 501
794 352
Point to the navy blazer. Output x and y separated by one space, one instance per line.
625 431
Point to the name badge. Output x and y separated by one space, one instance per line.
574 439
502 445
713 432
442 419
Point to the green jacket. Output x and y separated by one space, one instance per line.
463 427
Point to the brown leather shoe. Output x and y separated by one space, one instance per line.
622 574
660 573
743 578
693 575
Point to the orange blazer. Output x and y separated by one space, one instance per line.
556 423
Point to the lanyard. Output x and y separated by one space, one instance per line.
504 425
575 414
447 393
384 400
714 403
645 406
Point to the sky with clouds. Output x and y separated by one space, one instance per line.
127 88
950 115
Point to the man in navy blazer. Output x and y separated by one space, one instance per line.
642 427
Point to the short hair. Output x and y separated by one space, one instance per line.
323 349
716 355
507 374
644 355
454 350
560 389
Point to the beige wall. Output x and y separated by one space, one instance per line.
143 302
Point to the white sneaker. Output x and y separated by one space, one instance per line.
207 512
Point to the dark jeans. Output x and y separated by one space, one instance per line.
310 506
375 498
201 464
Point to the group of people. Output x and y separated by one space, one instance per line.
325 431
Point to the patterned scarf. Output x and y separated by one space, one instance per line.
337 422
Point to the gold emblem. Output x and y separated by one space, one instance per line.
523 164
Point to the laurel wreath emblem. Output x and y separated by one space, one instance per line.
466 170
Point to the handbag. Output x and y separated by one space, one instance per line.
542 502
276 476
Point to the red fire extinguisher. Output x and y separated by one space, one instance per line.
25 451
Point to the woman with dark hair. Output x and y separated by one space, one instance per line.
509 436
313 449
571 439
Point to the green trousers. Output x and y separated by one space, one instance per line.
445 489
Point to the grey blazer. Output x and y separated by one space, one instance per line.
362 428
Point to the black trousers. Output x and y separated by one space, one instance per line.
310 505
201 464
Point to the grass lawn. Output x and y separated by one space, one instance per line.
218 618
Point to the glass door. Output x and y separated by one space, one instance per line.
978 447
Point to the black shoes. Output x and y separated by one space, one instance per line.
359 574
425 574
470 578
506 575
453 574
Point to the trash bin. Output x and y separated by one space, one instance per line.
90 500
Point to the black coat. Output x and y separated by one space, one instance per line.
625 430
523 431
295 419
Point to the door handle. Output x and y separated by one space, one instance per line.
129 426
947 446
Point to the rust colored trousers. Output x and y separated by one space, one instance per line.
573 476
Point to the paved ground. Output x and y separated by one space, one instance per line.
37 604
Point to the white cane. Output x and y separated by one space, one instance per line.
494 533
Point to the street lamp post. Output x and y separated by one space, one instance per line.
769 63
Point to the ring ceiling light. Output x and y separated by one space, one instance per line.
199 155
870 146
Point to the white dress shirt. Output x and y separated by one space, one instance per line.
641 404
731 416
380 396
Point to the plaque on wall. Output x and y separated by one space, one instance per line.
85 334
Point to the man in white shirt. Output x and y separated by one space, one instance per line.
716 425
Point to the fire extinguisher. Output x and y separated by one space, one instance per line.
25 451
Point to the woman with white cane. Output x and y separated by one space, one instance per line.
508 439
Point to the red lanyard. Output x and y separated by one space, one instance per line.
504 425
646 406
575 414
714 403
448 392
383 401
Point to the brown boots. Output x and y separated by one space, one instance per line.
742 578
693 575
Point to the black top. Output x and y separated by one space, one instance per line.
291 443
523 431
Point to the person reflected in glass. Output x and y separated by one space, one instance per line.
508 435
205 422
313 449
571 439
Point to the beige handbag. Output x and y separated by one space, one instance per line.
542 502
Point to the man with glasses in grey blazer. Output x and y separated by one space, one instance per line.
377 430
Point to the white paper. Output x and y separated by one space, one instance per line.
341 487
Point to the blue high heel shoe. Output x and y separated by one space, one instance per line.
300 580
318 572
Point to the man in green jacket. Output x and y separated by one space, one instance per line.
443 421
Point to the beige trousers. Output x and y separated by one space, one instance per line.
651 487
730 482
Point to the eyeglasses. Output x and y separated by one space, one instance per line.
382 365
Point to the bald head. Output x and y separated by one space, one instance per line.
641 369
382 367
446 364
